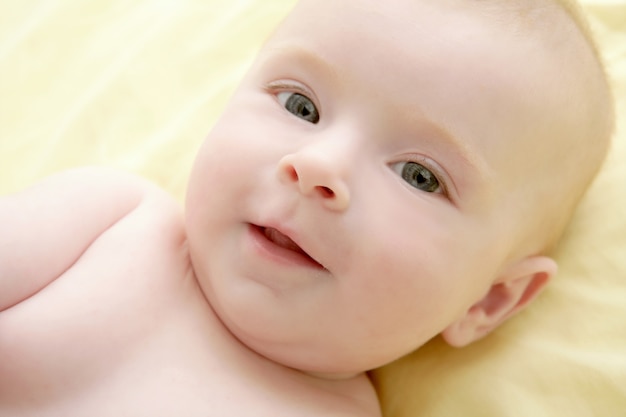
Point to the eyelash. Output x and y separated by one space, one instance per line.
428 165
277 87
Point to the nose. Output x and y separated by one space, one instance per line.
318 176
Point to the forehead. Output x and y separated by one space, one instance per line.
457 63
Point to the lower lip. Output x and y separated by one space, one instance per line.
269 250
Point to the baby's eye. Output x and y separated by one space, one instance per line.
418 176
299 105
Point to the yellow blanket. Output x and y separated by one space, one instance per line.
137 84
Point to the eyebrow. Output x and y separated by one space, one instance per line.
303 56
463 151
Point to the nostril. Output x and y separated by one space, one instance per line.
292 174
325 191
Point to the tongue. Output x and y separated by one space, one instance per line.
283 241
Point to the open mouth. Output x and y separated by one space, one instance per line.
285 242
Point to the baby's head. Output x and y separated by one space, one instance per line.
392 170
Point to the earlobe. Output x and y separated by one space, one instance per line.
513 290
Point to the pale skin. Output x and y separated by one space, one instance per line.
337 218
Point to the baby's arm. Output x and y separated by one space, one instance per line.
46 228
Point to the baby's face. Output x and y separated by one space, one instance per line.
356 196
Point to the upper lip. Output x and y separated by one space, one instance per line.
272 231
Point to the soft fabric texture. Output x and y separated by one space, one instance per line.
137 84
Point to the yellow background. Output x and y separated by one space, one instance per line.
137 84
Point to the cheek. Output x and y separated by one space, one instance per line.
245 139
214 181
421 261
234 159
227 156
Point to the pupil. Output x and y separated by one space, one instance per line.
302 107
420 177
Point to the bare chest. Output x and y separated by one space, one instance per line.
79 334
126 331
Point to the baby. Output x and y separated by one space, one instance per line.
388 171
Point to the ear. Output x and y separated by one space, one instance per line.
513 290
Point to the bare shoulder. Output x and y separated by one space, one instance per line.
144 211
93 180
361 398
89 191
48 226
354 397
358 398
